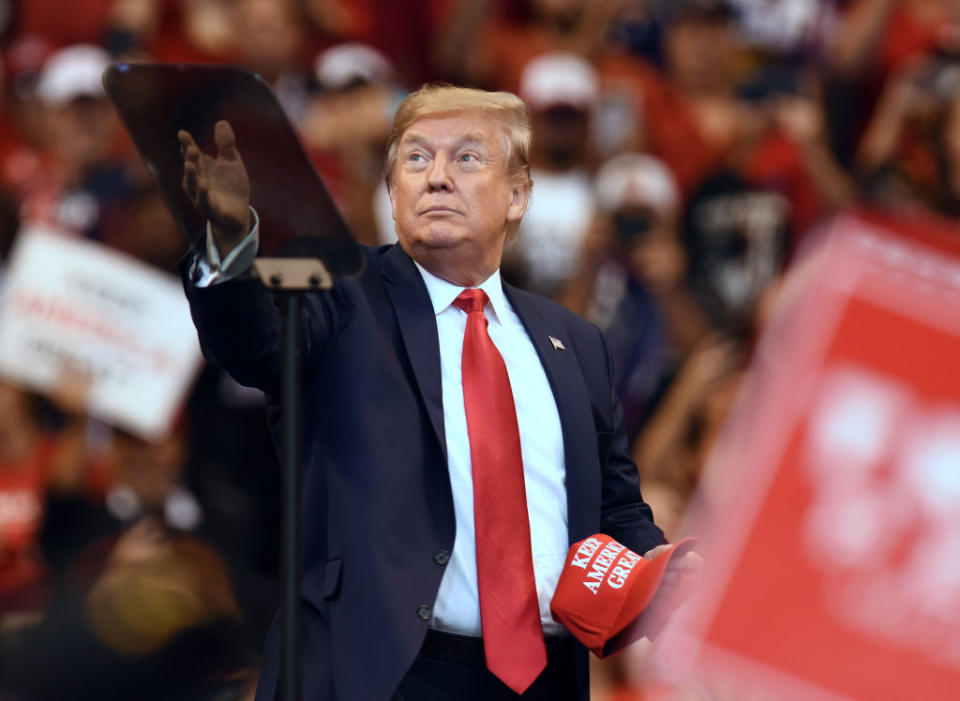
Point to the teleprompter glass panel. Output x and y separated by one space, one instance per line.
298 218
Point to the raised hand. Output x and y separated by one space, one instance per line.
218 185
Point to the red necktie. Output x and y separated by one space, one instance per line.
509 612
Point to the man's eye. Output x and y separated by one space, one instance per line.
468 157
415 157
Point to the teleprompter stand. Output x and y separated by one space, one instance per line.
288 278
303 238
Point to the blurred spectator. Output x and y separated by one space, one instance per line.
347 66
787 28
490 44
482 42
182 31
909 157
348 123
560 90
25 461
736 237
694 117
22 127
157 621
873 42
672 448
268 37
632 281
947 146
145 482
83 178
402 30
32 460
186 30
709 115
82 21
143 227
881 36
140 608
133 26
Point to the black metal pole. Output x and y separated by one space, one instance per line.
292 422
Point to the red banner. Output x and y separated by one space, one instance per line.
831 518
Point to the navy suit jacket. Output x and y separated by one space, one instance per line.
377 507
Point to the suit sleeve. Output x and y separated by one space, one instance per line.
239 328
624 514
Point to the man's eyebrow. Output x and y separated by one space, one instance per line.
470 138
413 139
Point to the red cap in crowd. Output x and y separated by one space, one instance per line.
605 587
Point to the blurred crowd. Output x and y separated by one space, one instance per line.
683 152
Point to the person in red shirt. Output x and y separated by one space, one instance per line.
31 460
25 458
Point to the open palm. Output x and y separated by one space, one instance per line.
219 184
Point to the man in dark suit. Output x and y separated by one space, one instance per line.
421 577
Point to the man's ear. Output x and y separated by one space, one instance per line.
393 214
519 198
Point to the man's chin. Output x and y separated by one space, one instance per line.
438 240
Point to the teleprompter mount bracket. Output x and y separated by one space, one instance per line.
290 274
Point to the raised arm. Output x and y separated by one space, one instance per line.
237 321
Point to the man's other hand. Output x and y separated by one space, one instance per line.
218 185
681 575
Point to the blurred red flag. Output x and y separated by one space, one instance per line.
830 515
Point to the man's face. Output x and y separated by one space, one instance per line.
564 14
267 34
452 199
699 53
560 137
81 133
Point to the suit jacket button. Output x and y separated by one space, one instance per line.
424 612
442 557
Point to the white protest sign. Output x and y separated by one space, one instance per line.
70 302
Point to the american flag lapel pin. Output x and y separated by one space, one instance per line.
557 343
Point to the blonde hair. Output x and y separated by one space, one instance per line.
504 107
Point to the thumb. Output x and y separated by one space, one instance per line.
226 142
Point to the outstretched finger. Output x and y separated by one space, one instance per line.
186 141
190 180
225 139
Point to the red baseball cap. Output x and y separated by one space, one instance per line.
604 589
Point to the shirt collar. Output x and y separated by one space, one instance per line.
442 293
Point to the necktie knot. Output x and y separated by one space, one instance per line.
471 300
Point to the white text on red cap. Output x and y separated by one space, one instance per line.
586 550
601 564
622 570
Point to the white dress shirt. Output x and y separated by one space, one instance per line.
457 607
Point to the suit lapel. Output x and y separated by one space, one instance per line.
573 405
418 327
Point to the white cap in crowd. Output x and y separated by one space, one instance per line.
559 78
636 179
344 64
73 72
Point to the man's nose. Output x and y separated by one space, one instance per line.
438 176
